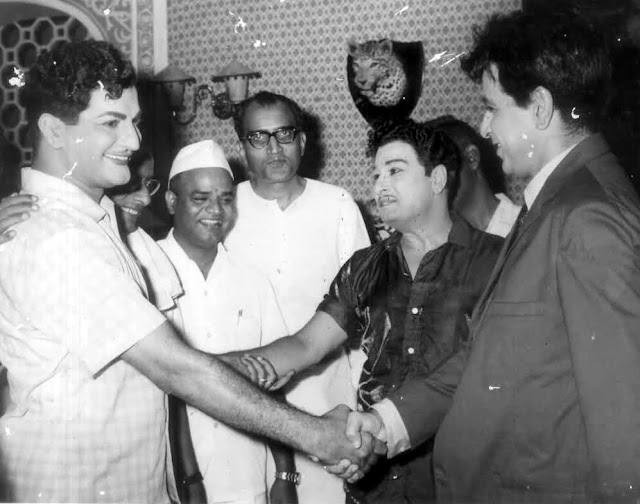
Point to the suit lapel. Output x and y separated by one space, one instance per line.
588 149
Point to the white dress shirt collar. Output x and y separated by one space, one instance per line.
536 184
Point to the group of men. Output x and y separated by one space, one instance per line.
494 370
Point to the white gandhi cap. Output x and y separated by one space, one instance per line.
204 154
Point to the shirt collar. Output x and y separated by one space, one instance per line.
48 187
536 184
178 254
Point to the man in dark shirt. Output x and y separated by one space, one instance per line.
405 301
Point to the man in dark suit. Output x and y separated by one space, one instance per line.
548 406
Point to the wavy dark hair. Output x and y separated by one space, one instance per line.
559 50
61 80
432 147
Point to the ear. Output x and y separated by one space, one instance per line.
472 156
352 46
170 200
542 103
241 151
303 142
439 179
386 46
52 130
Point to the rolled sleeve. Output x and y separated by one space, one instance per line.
397 435
74 291
341 300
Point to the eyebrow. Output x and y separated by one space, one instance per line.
396 160
120 115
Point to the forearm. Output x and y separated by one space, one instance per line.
319 337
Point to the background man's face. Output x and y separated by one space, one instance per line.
99 146
203 207
275 163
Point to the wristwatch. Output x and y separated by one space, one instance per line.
291 477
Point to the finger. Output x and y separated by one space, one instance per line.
17 199
339 468
8 219
349 472
8 236
379 447
357 476
281 382
250 368
264 376
354 428
270 376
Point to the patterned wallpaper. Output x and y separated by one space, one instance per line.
300 48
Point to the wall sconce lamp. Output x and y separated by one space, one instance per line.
223 105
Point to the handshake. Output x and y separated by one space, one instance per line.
346 442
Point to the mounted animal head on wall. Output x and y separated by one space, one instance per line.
385 77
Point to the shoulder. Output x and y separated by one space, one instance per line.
328 191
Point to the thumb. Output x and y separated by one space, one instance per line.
354 428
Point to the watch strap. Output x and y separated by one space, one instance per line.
290 476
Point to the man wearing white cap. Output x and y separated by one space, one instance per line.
226 306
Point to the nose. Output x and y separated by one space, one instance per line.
274 145
379 184
142 196
485 125
214 207
130 137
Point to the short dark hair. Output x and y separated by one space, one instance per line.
463 134
267 99
432 147
559 50
62 79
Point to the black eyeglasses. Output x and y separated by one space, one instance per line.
135 184
260 138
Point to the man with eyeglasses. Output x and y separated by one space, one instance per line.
298 232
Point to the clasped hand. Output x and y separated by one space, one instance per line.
353 441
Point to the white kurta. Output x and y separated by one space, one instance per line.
234 308
301 250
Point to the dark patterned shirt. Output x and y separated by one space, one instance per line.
407 327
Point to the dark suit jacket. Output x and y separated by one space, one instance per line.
548 407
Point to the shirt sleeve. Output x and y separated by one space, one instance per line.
341 301
74 291
352 232
599 291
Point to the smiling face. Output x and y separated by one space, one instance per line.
509 127
203 207
97 149
275 163
404 193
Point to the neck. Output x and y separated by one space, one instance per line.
427 233
56 169
203 258
478 208
556 143
284 192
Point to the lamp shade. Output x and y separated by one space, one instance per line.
236 77
173 80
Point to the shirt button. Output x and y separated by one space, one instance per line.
415 310
411 350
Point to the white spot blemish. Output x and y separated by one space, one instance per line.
400 11
259 43
437 57
494 387
524 136
573 114
240 24
453 58
101 85
79 140
70 172
18 78
106 11
7 431
102 492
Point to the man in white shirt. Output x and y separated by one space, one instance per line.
226 306
480 199
89 359
298 232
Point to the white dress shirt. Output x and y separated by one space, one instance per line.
233 308
300 249
504 216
